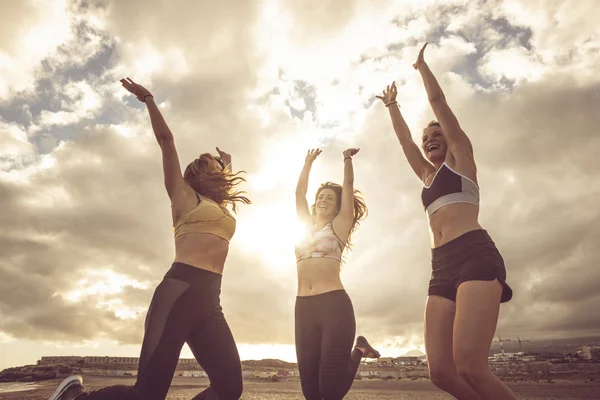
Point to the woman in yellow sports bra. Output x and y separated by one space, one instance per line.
186 307
324 317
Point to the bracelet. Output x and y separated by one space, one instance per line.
391 102
347 158
147 96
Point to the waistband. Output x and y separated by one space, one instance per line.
323 296
478 236
193 275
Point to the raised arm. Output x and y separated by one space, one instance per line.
418 163
343 221
456 137
301 204
171 168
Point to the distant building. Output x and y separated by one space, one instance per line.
95 360
386 361
589 352
408 360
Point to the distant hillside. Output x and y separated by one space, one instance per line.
33 373
543 345
414 353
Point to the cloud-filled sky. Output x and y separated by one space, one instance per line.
85 229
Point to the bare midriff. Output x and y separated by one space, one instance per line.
452 221
202 250
318 276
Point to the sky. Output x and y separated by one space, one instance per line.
85 225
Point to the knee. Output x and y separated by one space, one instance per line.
232 391
442 376
331 391
472 374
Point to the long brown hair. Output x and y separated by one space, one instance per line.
360 207
217 186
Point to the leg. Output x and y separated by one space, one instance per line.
338 364
308 349
166 329
439 321
477 308
214 347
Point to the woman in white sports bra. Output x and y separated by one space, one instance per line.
468 280
324 317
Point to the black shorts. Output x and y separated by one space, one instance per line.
472 256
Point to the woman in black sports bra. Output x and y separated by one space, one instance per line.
324 317
468 280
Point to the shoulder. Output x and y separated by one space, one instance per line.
463 163
183 200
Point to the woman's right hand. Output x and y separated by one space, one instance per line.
138 90
312 154
389 94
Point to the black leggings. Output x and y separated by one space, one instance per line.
185 308
325 329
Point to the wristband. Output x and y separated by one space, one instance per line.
147 96
347 158
391 102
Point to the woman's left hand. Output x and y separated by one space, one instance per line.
350 152
225 157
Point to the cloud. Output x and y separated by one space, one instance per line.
32 32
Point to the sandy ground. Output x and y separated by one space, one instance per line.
186 388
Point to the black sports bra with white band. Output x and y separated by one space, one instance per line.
448 187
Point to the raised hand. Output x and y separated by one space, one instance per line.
312 154
138 90
350 152
389 94
225 157
420 58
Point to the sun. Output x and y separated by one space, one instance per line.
271 231
269 226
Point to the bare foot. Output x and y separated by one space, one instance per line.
363 345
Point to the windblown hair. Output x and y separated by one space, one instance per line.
432 123
360 207
221 187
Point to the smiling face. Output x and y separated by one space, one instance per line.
326 205
434 143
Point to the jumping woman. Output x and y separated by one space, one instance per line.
468 281
324 316
186 306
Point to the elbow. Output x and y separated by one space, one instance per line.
165 140
437 98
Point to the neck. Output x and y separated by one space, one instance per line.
438 163
321 220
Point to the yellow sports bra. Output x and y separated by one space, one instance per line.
206 217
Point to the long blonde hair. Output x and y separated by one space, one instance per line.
221 187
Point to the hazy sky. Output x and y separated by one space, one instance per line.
85 229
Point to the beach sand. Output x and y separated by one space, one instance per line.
186 388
